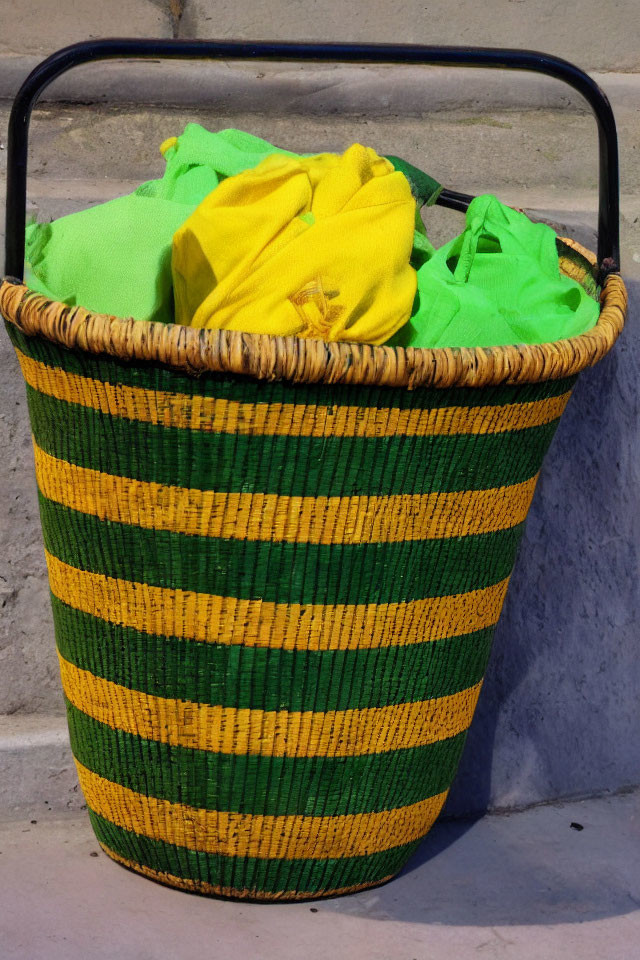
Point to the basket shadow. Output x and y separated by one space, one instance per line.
518 869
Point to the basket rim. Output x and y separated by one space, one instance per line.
266 357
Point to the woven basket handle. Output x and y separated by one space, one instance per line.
79 53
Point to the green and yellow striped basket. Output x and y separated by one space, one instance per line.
276 567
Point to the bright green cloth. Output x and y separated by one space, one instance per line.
497 283
115 258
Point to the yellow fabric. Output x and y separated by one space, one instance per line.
311 247
168 144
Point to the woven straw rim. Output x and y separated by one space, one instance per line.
265 357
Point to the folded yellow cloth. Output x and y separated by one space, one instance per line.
311 247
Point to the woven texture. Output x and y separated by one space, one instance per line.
274 605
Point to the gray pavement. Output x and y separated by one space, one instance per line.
525 886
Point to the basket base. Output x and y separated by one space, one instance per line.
229 893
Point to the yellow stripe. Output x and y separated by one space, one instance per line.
306 420
215 890
278 733
211 619
260 516
248 835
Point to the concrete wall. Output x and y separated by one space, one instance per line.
598 36
559 714
28 668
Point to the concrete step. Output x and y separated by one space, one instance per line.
596 35
33 30
555 881
37 773
310 89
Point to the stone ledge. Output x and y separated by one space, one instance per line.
37 773
311 90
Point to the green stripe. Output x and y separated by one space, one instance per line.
279 572
247 390
296 466
313 786
259 678
240 873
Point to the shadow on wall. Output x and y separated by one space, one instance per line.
558 713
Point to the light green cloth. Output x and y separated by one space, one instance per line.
116 257
497 283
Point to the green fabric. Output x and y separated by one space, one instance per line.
497 283
424 188
116 257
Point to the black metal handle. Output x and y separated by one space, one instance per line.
79 53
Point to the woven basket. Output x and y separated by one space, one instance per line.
276 567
